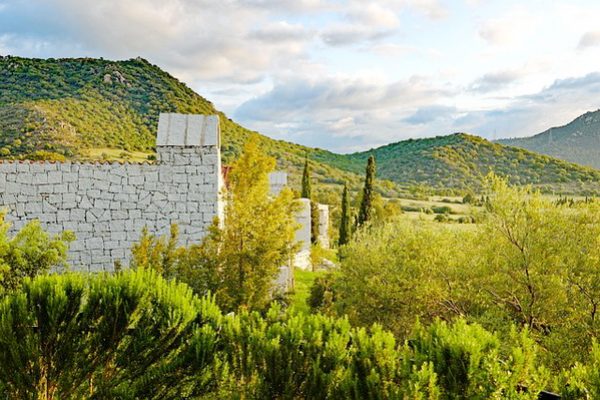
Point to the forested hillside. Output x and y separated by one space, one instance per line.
578 141
93 108
462 160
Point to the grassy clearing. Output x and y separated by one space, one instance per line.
107 154
303 281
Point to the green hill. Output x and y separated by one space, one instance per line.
93 108
462 160
578 141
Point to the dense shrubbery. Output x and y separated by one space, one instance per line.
529 261
128 335
135 335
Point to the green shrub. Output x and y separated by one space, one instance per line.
130 335
29 252
135 335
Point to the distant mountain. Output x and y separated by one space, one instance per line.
578 141
93 108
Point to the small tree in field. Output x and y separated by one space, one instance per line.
366 205
239 259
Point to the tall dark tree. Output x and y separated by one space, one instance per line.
345 221
366 205
314 206
315 222
306 187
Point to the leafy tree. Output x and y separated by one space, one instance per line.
257 236
306 193
366 205
30 252
400 271
345 222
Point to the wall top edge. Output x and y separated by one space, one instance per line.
47 162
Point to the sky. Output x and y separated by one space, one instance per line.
344 75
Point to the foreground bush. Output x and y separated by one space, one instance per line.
110 336
136 335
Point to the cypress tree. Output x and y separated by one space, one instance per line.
306 188
315 222
366 205
314 206
345 221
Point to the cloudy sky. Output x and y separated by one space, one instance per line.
344 75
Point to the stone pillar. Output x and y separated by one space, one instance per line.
324 225
277 181
302 259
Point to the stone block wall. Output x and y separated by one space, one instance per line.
107 205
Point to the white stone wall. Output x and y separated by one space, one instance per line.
107 205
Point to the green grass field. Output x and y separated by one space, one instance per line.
303 281
107 154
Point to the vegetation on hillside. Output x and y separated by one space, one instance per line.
462 161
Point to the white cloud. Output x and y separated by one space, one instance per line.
512 28
431 8
373 15
281 31
589 39
346 114
363 110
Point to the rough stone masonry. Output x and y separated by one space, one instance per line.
107 205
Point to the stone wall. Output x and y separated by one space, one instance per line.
107 205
